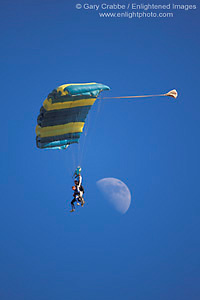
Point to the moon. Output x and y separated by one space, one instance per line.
116 192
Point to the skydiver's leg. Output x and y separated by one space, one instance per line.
82 201
76 197
81 198
72 204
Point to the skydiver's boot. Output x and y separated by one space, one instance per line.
72 210
82 202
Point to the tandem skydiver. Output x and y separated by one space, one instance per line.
78 189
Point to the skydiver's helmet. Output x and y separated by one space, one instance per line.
78 170
73 188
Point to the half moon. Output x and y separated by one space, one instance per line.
116 192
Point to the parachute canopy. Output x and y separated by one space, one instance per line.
62 116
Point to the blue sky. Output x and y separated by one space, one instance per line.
151 252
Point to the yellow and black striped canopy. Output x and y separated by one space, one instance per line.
62 116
